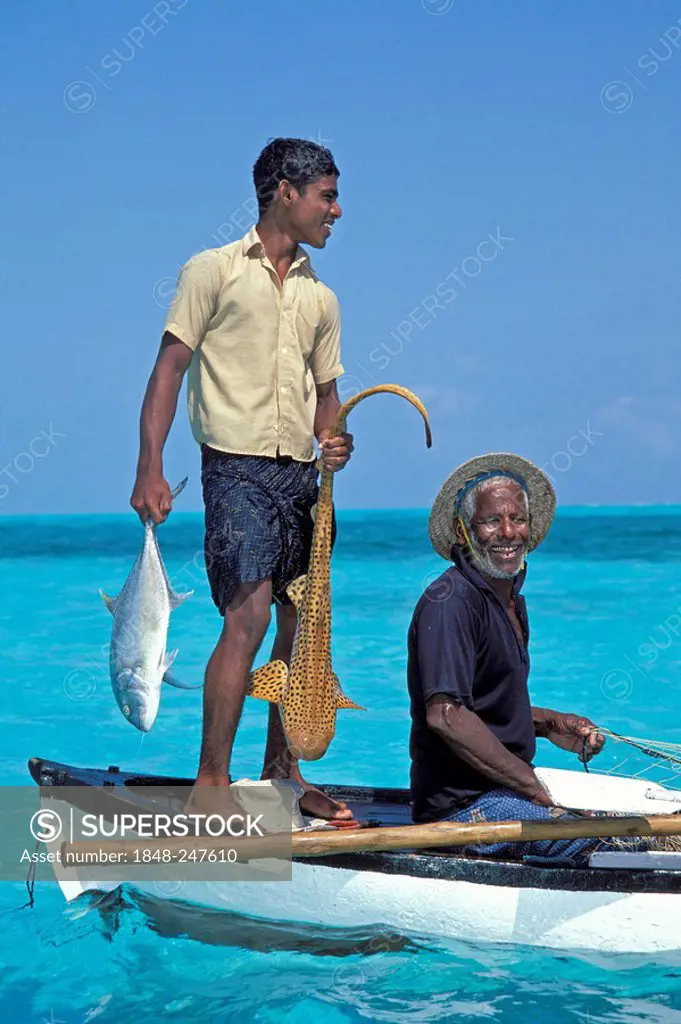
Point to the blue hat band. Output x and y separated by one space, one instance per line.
489 475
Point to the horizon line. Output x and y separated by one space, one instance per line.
425 510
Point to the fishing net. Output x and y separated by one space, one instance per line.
654 761
637 758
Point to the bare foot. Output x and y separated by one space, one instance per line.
212 796
316 804
313 802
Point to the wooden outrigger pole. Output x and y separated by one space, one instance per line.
437 835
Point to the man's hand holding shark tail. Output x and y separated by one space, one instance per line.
335 451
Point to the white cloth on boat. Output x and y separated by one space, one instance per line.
278 800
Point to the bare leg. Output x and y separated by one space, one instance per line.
227 672
279 762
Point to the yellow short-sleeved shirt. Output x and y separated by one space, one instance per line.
260 347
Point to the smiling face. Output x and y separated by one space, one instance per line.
499 530
312 212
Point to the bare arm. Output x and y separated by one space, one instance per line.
570 732
328 405
541 718
151 493
335 450
474 743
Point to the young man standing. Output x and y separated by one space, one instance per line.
260 336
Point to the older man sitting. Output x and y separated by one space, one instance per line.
474 731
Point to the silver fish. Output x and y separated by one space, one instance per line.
138 661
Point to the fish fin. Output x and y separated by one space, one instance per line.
296 590
342 701
177 599
168 659
172 680
269 682
110 602
313 512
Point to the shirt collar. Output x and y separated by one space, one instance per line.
251 243
251 240
468 570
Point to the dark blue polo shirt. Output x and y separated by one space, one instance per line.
462 643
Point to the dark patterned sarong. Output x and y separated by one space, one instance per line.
258 522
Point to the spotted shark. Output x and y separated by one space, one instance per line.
307 690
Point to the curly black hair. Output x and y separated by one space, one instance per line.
299 161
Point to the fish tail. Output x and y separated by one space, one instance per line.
180 487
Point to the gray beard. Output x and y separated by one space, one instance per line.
487 567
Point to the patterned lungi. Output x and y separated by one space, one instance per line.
506 805
257 519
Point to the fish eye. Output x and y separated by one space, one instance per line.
126 710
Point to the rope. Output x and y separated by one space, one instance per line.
583 756
30 887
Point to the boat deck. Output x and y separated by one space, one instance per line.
383 806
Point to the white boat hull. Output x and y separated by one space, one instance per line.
442 908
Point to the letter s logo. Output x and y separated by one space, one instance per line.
45 826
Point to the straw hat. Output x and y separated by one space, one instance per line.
540 493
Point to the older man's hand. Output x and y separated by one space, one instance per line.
576 734
335 451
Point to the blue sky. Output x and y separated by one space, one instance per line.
524 156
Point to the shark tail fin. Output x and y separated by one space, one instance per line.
344 702
296 590
110 602
269 682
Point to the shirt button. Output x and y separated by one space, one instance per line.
284 390
284 351
276 427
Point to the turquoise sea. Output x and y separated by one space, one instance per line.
604 599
